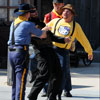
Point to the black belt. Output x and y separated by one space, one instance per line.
17 50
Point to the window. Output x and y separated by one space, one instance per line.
14 2
7 7
3 2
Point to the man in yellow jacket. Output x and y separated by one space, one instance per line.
64 28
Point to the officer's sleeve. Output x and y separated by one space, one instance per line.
35 30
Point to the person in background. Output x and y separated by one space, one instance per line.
56 12
64 28
18 44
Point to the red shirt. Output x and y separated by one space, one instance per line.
53 15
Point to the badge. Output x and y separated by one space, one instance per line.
64 30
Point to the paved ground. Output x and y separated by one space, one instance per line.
85 81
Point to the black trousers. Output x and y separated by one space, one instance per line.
49 70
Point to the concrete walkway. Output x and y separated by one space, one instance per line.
85 81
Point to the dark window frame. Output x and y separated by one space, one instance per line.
8 7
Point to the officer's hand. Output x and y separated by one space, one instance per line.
90 57
44 35
67 39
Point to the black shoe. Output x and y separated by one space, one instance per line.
67 94
43 94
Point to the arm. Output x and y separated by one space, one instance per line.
35 30
38 32
57 38
84 42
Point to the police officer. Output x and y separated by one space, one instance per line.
19 40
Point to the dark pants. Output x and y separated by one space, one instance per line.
64 57
19 63
49 70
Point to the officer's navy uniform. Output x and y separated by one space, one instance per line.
18 52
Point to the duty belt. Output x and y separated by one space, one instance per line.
18 49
